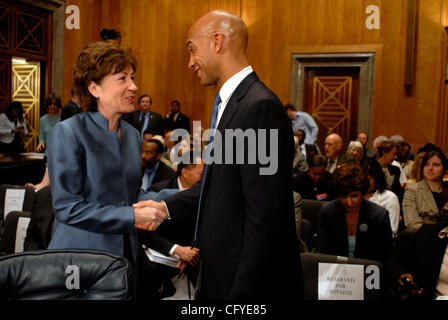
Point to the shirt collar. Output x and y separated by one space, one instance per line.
232 83
181 187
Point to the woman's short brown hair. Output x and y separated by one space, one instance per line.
385 147
348 178
97 60
52 98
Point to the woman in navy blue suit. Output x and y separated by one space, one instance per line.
351 226
94 160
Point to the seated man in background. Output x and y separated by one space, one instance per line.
144 118
153 169
187 174
315 183
364 139
334 151
173 238
176 119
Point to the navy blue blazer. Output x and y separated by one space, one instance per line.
373 234
94 182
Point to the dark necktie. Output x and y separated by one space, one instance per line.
204 172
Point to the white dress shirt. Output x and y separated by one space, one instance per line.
229 87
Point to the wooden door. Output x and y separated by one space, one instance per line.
332 100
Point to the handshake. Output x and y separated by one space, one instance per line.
149 214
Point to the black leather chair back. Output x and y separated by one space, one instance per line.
65 274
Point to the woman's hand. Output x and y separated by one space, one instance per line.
40 146
148 218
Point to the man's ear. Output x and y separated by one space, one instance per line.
218 39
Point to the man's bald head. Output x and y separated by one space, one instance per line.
217 43
226 23
333 146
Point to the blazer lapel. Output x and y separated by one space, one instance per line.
232 105
427 197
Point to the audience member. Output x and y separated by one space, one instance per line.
73 107
378 194
364 139
53 106
144 118
403 159
351 226
424 200
334 152
154 170
355 151
386 152
415 175
315 183
187 174
176 119
305 148
302 120
299 162
13 129
418 264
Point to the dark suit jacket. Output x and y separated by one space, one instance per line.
69 110
182 122
163 173
38 234
373 243
304 185
310 149
247 237
155 123
165 184
396 185
420 254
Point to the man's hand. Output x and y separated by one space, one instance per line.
148 217
188 257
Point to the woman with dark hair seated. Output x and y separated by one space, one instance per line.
351 226
378 194
314 184
424 200
387 152
12 129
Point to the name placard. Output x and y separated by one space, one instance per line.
22 227
341 281
13 200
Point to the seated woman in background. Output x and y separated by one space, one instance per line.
378 194
351 226
424 200
386 152
314 184
355 150
53 106
12 129
415 175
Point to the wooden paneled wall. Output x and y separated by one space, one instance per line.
156 31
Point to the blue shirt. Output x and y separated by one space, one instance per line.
47 124
306 123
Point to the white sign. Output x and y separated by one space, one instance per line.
341 281
22 226
14 200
